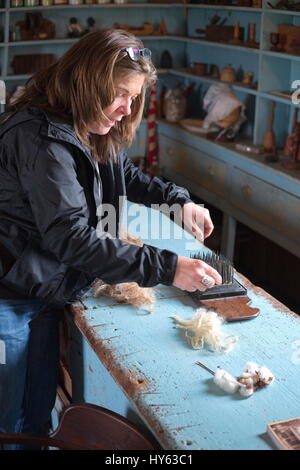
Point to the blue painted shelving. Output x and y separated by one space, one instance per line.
273 71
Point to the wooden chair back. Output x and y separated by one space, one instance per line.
88 427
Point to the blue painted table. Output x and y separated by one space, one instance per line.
139 364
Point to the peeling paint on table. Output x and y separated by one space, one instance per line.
153 367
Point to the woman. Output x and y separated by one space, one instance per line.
61 160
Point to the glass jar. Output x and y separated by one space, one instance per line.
31 3
16 3
174 104
46 3
75 2
14 33
60 2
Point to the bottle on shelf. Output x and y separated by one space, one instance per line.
46 3
269 142
240 74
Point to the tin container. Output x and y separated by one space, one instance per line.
199 68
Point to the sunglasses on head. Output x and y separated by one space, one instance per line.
134 52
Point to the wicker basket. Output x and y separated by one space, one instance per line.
30 63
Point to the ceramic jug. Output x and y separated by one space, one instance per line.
228 74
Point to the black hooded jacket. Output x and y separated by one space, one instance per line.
49 194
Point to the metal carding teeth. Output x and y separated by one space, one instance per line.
219 263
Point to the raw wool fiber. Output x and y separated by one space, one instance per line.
204 328
128 292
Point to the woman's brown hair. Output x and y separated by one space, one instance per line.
80 84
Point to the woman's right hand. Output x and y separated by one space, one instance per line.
190 272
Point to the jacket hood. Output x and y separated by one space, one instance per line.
57 127
16 119
54 121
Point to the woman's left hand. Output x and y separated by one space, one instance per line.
196 219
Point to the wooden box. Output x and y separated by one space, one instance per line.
221 33
30 63
289 38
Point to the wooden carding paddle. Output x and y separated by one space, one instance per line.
230 308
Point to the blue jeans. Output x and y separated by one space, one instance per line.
29 357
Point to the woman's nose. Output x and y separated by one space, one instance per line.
127 107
